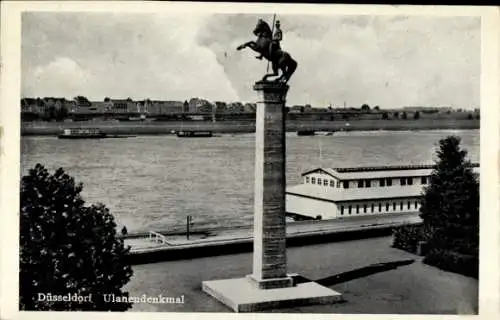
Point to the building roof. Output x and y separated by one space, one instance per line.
379 172
354 194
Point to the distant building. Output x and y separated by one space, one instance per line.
121 105
330 193
168 107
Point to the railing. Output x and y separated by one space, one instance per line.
390 168
157 237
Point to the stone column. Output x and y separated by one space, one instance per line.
269 255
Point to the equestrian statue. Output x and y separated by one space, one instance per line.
268 45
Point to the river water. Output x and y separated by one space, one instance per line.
153 182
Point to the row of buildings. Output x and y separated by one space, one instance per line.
82 106
152 107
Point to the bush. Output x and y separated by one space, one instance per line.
67 247
467 265
407 237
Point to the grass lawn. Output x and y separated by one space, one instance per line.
409 289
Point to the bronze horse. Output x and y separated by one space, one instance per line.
271 50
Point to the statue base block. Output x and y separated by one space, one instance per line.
241 295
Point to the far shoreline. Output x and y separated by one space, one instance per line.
236 127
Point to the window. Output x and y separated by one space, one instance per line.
394 206
409 205
423 180
380 207
416 204
364 208
410 181
386 206
368 184
346 184
341 210
350 209
382 182
307 179
313 180
360 184
373 207
357 208
325 182
338 184
319 181
389 182
332 183
402 181
401 206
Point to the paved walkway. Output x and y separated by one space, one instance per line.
413 288
222 235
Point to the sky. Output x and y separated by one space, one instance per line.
390 61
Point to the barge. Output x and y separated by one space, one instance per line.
194 134
88 133
306 133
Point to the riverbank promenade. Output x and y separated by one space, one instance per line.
141 242
373 278
160 245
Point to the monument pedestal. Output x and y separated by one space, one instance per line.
269 285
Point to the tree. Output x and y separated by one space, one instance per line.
61 113
365 108
404 115
67 247
385 116
377 108
416 115
82 101
470 116
107 99
396 115
450 204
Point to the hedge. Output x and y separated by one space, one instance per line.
407 237
467 265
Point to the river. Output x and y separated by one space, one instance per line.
153 182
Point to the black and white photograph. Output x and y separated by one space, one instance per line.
229 158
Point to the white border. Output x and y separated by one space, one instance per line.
10 147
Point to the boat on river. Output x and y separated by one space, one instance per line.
306 133
87 133
194 134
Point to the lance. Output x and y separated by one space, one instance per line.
272 35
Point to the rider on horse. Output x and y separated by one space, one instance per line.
268 46
276 39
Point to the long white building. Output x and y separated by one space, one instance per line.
329 193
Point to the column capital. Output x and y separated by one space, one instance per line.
271 91
271 86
